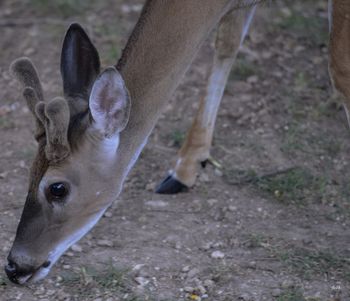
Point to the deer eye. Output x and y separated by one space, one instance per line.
57 191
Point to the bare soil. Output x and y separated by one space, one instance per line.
270 222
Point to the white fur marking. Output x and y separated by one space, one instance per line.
215 90
63 246
247 23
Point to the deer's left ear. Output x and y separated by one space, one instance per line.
109 103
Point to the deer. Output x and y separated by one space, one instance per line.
90 138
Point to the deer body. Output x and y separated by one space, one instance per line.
89 140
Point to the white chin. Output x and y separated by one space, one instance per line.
36 276
39 274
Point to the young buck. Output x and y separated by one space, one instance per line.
89 139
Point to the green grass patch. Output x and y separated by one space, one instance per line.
292 185
255 240
64 8
291 294
6 122
109 281
242 69
312 28
177 137
295 185
310 263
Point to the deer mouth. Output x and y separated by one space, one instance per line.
34 276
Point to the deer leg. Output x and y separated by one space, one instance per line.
196 147
339 52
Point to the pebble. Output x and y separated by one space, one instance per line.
156 204
244 297
141 280
276 292
192 273
208 283
287 283
232 208
105 243
212 202
251 264
217 255
202 289
204 178
76 248
107 214
178 246
185 269
207 246
138 267
218 172
188 289
151 186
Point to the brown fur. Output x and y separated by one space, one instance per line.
162 46
340 48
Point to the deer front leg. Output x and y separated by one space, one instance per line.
231 32
339 52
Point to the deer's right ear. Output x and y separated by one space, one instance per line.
109 103
80 63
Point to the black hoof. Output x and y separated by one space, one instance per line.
204 163
171 186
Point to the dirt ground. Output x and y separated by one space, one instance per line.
269 222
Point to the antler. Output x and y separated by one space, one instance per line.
51 118
55 116
25 72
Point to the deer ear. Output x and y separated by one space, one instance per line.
80 63
109 103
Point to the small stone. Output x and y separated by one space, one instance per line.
66 266
76 248
252 79
151 186
276 292
156 204
192 273
188 289
141 280
138 267
208 283
207 246
218 172
29 51
185 269
244 297
105 243
69 254
202 289
251 265
204 178
287 283
107 214
217 255
50 292
232 208
178 245
212 202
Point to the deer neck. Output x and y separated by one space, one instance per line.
159 51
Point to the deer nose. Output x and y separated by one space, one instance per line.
14 273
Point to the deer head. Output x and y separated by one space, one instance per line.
71 182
